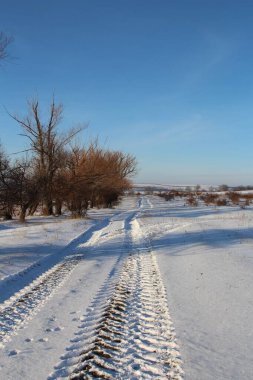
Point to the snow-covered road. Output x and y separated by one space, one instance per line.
100 311
103 306
127 332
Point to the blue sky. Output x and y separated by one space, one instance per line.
169 81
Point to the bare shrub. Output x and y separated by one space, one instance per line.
168 196
248 197
192 201
96 177
221 202
209 198
233 197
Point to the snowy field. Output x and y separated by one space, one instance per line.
101 297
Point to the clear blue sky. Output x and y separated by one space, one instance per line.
169 81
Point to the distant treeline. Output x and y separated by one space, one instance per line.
219 198
154 189
54 172
242 188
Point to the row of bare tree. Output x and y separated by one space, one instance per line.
56 172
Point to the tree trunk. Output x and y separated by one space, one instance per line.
7 215
22 214
58 207
33 208
48 209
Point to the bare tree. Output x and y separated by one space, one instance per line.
4 43
79 177
25 186
6 203
46 144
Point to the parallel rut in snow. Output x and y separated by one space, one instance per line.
24 303
128 334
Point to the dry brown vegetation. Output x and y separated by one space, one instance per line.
192 201
58 174
194 198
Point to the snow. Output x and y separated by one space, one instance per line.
151 264
207 267
23 245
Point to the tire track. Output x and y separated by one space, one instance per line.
19 308
127 332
